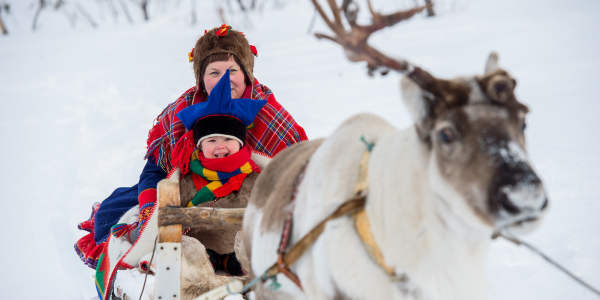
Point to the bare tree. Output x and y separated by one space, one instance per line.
221 13
143 4
242 6
86 15
354 41
126 11
194 18
4 7
40 6
429 4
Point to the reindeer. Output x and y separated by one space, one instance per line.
434 195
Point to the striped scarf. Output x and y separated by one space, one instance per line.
219 177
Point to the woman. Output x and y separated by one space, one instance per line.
274 129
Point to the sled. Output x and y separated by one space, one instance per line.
172 218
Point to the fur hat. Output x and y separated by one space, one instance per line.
223 40
221 115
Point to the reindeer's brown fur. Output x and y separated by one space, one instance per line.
499 87
444 95
281 184
279 181
455 102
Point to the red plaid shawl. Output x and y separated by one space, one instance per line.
274 128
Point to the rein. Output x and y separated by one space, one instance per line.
295 252
513 239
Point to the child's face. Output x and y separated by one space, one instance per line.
219 146
216 69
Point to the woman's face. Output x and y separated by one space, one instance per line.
219 146
216 69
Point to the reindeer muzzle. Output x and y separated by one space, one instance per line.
517 195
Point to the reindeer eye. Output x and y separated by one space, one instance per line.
524 126
447 135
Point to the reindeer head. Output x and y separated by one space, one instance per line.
473 129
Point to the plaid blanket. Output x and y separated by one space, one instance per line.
273 130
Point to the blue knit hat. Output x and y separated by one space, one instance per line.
220 114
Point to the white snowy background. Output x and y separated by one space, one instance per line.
77 105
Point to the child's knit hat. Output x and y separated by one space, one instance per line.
221 115
224 40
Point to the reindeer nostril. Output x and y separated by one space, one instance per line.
534 179
545 204
509 206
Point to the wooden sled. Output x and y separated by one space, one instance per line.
170 283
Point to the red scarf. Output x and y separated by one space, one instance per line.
219 177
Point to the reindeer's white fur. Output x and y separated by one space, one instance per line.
409 220
418 233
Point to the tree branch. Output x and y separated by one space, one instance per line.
2 26
126 11
41 5
429 4
144 7
85 14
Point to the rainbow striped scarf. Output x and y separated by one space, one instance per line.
219 177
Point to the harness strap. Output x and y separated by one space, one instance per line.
285 270
354 206
296 251
286 234
288 224
361 220
363 228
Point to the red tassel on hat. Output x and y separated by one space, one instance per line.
253 49
180 157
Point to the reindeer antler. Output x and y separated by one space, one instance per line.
355 42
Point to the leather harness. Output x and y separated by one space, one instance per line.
354 206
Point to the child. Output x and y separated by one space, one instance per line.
218 159
219 172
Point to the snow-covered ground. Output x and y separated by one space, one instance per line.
77 104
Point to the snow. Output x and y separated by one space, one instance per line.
77 105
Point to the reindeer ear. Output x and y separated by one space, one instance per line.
420 104
491 65
427 97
